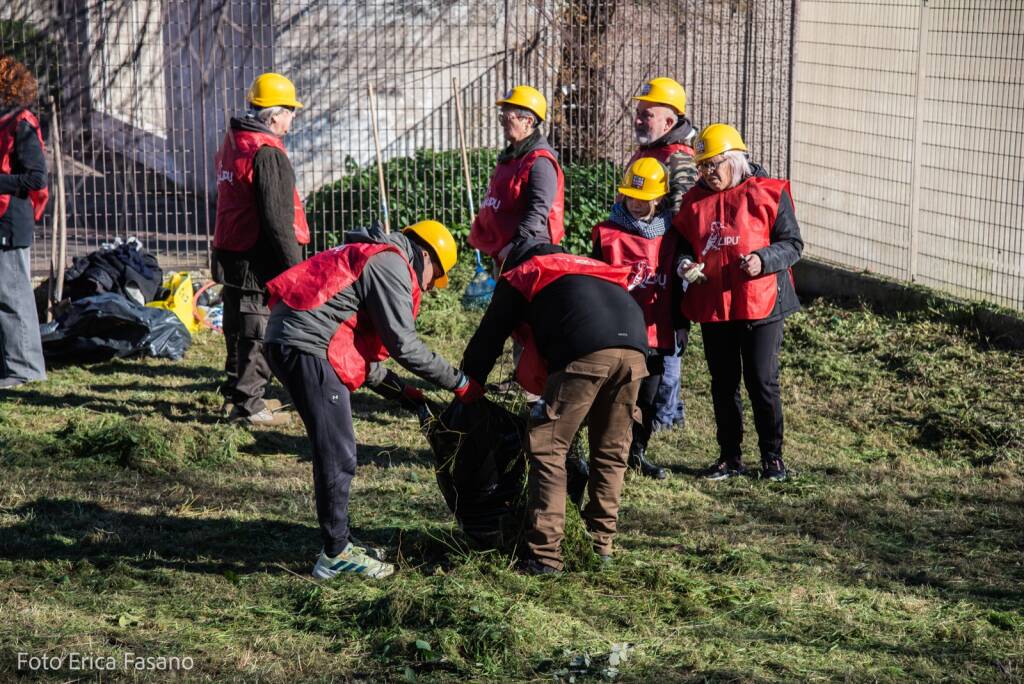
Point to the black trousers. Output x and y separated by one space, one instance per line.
647 398
734 348
323 403
244 325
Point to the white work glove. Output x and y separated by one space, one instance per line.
690 272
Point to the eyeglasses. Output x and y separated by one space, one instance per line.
507 116
710 167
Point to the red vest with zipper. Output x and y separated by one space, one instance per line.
651 257
661 153
532 276
237 225
8 130
498 221
722 226
356 343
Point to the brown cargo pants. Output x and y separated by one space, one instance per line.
599 388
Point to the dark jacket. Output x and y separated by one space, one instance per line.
572 317
28 172
682 172
276 250
784 251
539 193
384 294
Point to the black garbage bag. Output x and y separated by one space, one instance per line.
106 326
480 467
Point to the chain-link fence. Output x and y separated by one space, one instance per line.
908 141
144 89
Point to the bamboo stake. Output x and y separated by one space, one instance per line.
457 95
380 162
51 285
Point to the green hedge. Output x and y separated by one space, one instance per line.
431 185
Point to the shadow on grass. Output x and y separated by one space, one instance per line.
63 529
69 530
969 551
209 374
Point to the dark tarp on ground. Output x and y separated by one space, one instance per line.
480 467
105 326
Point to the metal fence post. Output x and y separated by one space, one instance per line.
916 161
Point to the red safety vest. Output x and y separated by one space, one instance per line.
497 223
355 344
721 226
652 257
532 276
661 153
8 129
237 225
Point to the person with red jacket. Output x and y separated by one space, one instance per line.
584 345
334 318
23 197
637 233
259 232
664 132
524 204
739 239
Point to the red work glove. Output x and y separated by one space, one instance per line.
469 391
413 394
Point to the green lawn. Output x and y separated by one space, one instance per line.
132 521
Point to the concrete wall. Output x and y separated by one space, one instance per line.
908 141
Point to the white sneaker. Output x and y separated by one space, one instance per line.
352 559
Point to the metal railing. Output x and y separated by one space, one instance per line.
144 89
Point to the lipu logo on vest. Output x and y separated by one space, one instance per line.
717 239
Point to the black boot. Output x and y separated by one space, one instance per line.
638 461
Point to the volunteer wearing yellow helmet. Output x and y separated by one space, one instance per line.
525 197
259 232
739 239
637 234
334 318
665 133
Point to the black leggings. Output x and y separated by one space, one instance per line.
738 348
647 397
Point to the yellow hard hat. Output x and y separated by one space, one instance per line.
664 91
716 139
645 179
272 90
437 237
526 97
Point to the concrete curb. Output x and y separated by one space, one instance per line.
1001 327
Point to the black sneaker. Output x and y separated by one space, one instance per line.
723 470
535 567
774 470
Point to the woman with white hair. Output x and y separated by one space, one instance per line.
739 239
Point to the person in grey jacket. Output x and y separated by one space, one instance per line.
22 197
525 199
333 319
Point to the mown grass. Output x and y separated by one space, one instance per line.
132 520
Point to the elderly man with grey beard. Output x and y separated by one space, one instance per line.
665 133
259 233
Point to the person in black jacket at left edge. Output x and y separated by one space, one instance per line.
260 229
23 198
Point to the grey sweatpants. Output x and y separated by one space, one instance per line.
21 352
